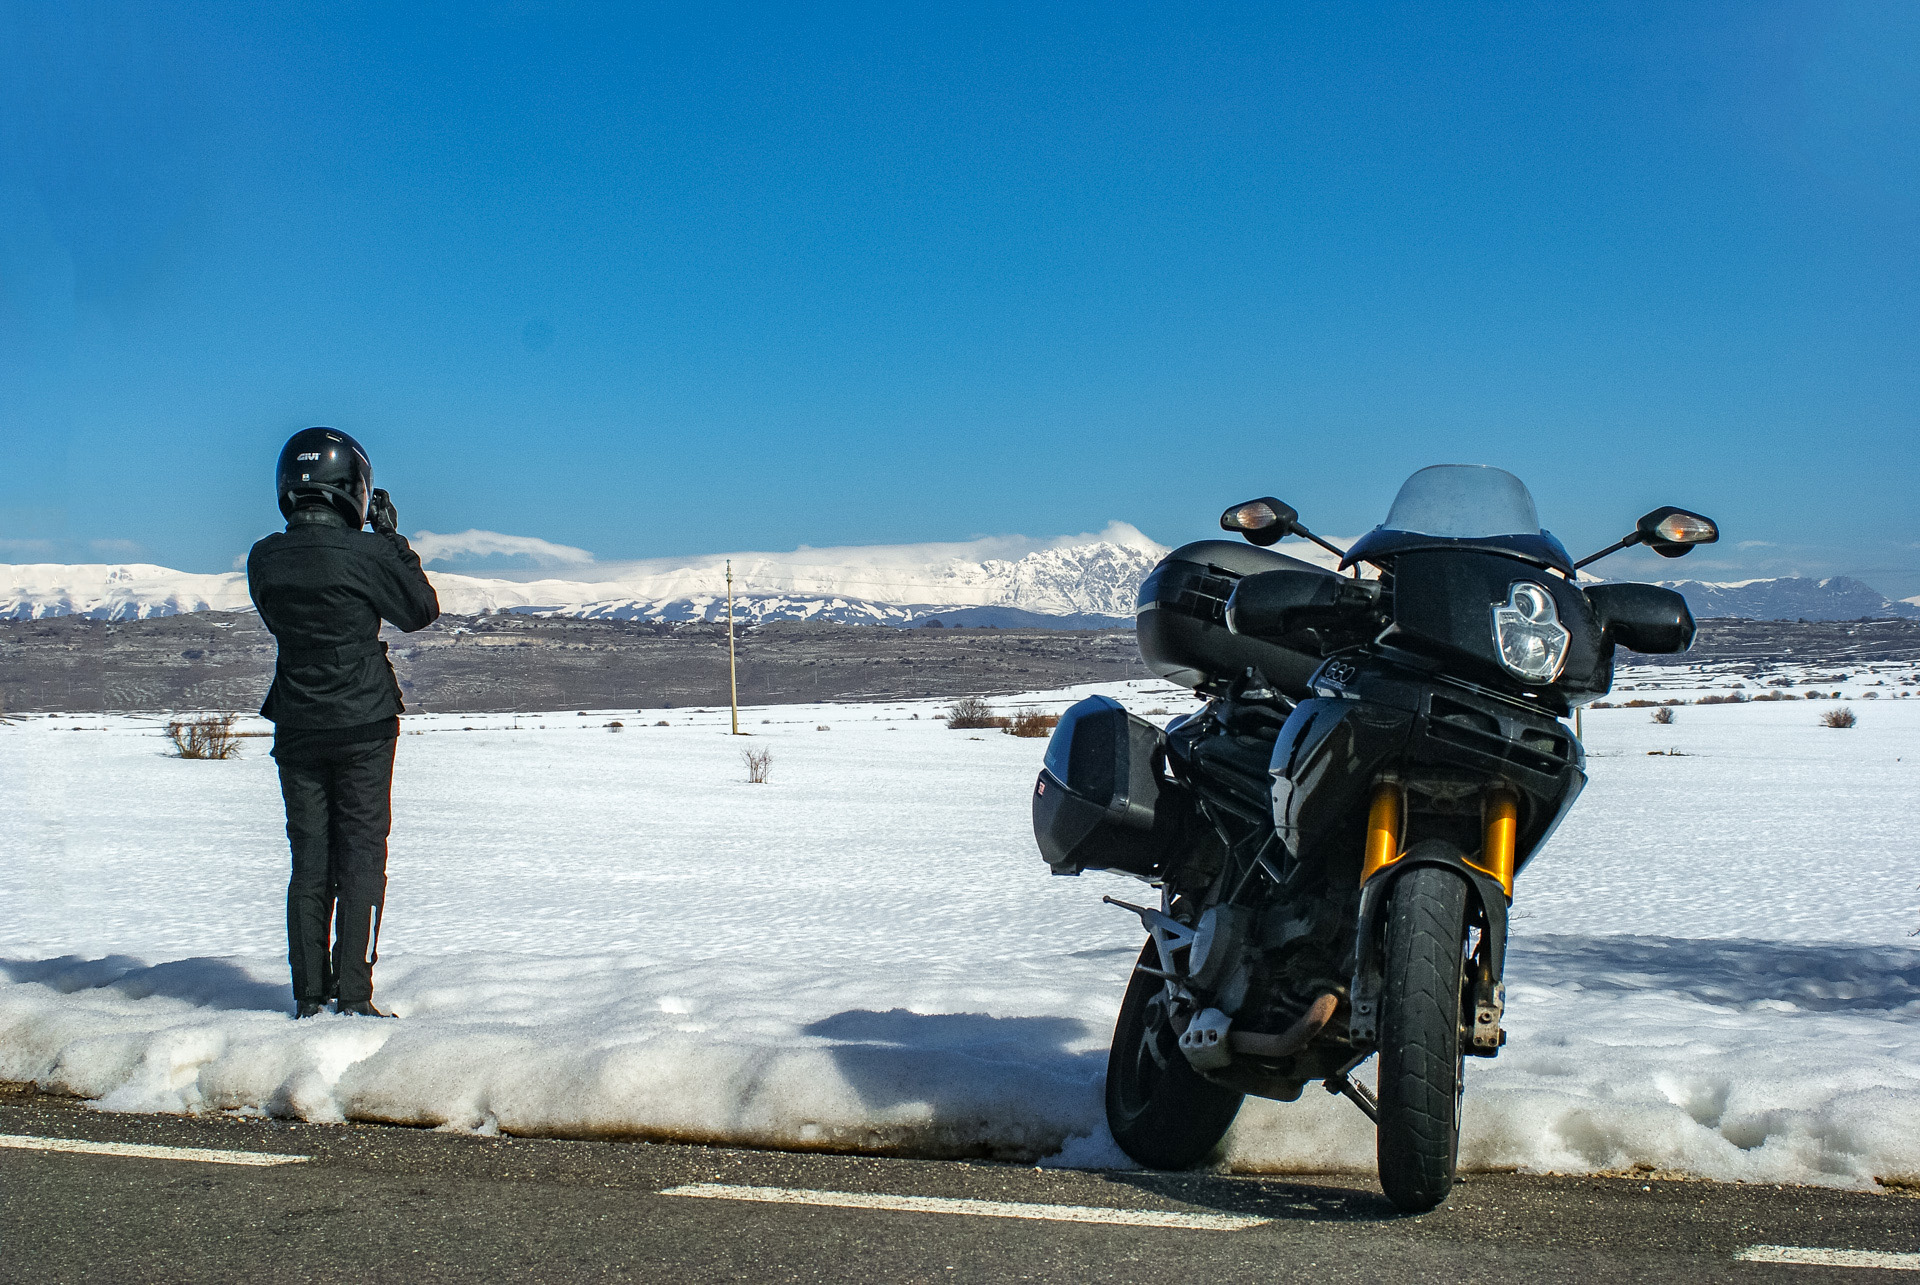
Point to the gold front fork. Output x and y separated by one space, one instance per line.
1385 822
1502 827
1386 832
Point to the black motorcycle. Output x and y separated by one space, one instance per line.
1335 834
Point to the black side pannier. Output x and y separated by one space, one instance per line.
1101 802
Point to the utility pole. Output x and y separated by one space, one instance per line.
733 672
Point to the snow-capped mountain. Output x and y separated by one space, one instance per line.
123 591
1071 582
878 582
1090 582
1790 598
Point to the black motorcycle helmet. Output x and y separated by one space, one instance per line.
324 466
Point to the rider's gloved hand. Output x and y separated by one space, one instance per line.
381 515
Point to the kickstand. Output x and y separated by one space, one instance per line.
1354 1093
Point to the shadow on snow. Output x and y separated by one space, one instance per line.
1733 973
206 982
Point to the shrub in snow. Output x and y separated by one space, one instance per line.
1663 715
1839 716
663 723
615 725
1031 723
972 711
759 764
823 728
211 737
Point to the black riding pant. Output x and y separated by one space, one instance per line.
338 814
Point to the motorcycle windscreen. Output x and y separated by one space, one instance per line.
1463 501
1463 507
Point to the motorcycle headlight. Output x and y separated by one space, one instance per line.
1528 632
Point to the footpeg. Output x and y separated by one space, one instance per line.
1204 1042
1168 933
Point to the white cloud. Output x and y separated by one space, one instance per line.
122 547
26 546
480 546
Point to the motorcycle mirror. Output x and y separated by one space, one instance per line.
1669 532
1263 522
1672 532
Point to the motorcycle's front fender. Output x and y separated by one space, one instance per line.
1489 898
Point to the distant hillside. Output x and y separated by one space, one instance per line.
513 661
1791 598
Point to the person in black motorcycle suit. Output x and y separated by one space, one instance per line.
322 587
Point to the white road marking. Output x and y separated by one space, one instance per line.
203 1155
1829 1257
977 1208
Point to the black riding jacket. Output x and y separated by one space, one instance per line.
322 590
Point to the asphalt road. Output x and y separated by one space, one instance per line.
386 1204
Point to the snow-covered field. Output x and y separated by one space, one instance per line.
611 933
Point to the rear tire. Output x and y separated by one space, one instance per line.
1161 1112
1422 1067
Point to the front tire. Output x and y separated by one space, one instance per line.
1161 1112
1422 1067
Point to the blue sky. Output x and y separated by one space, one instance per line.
660 280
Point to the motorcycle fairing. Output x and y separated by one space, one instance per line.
1542 550
1437 739
1441 603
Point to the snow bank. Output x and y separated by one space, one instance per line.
613 935
1737 1060
570 1046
